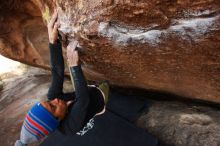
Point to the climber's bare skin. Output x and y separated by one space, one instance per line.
53 26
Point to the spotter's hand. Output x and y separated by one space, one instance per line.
72 54
53 26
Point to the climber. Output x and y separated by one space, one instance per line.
70 113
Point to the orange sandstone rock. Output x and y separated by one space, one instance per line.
170 46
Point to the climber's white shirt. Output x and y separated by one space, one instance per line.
90 124
87 127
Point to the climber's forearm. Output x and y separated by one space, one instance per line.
57 70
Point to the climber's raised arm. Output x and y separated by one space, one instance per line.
56 63
79 111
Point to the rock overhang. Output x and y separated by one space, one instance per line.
157 45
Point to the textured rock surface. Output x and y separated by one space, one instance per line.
23 35
163 45
183 124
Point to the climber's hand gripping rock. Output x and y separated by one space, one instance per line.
53 26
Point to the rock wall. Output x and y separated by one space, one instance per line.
164 45
185 124
23 35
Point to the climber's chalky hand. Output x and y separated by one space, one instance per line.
72 54
53 26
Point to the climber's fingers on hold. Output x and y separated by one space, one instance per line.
56 26
71 50
52 20
72 46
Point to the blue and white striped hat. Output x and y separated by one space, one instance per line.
38 123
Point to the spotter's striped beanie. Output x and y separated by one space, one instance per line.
38 123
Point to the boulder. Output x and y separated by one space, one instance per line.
162 45
182 123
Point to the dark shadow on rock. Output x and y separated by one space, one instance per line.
162 96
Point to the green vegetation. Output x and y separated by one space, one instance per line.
46 14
